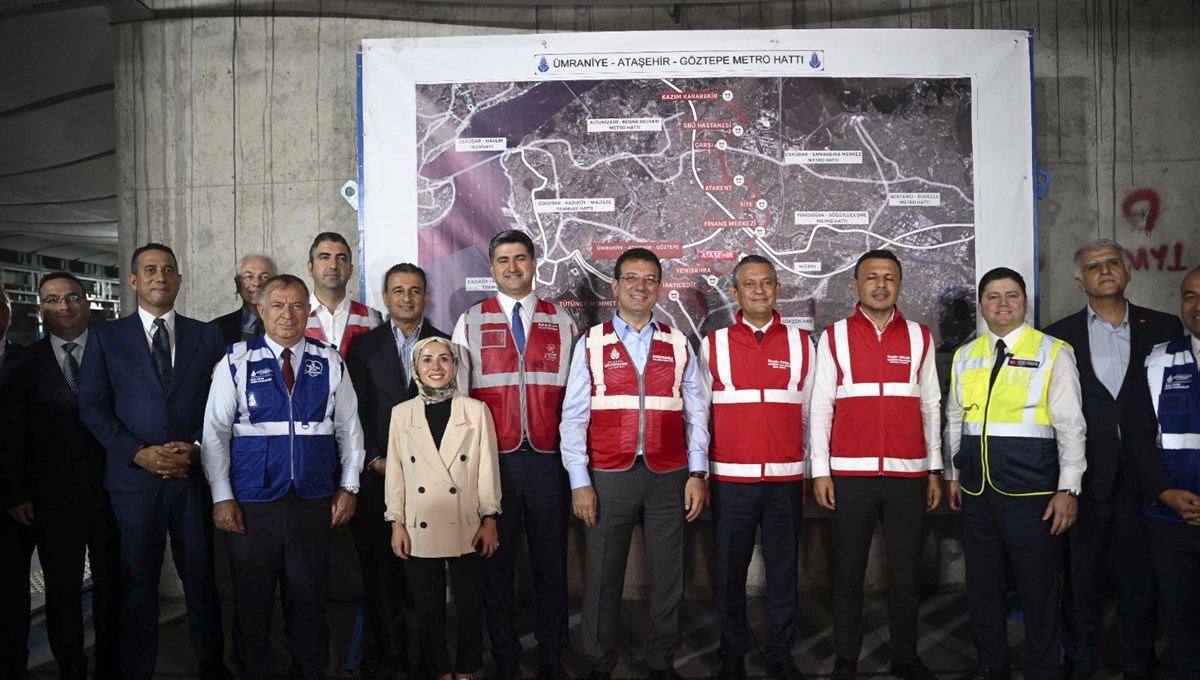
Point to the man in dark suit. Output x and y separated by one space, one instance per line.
58 471
142 394
380 366
1111 338
16 541
243 323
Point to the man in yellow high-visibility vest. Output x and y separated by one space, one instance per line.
1015 430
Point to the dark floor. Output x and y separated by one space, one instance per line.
945 643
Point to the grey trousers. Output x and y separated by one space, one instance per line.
625 499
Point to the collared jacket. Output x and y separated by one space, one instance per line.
360 320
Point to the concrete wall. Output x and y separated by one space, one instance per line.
237 128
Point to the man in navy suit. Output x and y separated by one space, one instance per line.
142 395
57 469
1111 337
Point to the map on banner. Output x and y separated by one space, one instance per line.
809 172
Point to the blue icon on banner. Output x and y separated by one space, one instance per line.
815 61
543 65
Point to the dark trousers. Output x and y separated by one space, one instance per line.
1007 533
183 511
1115 527
286 546
427 576
385 632
863 502
625 499
65 534
535 502
1176 555
16 550
738 512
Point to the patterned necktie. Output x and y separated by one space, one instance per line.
758 335
71 366
1001 353
518 328
161 351
289 373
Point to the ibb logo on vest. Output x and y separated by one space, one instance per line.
779 363
902 359
313 368
1178 381
551 353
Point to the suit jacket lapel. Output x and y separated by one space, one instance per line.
186 339
139 348
389 359
1137 347
456 433
53 379
422 440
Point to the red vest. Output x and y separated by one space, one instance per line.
524 393
877 425
757 412
627 410
360 320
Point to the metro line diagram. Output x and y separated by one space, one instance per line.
808 172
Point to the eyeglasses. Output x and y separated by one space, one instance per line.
649 279
71 299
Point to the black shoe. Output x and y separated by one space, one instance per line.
665 674
844 669
551 671
986 674
507 671
912 670
784 670
732 668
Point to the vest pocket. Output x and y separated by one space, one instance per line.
248 463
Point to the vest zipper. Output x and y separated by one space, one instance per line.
291 434
641 415
762 410
880 356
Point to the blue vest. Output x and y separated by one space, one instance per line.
281 440
1175 388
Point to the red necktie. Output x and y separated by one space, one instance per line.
289 374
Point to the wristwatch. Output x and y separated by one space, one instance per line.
698 474
1070 492
939 472
352 490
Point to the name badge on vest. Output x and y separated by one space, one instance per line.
261 375
1178 381
1023 363
494 339
665 358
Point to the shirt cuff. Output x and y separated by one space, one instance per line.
349 477
222 490
818 467
697 461
579 477
1070 479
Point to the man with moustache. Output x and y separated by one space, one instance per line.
16 542
244 324
141 394
515 361
635 446
380 365
1110 335
876 456
58 469
335 318
757 372
281 425
1015 428
1170 475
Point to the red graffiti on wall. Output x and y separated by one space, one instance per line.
1142 208
1168 257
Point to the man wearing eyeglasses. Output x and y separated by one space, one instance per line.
635 445
243 324
57 470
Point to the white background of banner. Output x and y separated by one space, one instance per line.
997 61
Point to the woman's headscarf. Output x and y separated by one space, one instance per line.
431 395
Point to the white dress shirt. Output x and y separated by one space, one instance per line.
459 336
1196 348
61 354
333 322
824 398
1066 413
148 324
222 407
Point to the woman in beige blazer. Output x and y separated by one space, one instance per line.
443 494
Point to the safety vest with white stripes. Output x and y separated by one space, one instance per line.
282 439
632 410
877 425
525 393
1008 440
757 413
361 319
1175 387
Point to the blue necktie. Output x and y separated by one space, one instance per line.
518 328
161 351
71 366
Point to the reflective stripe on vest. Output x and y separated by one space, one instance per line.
1007 426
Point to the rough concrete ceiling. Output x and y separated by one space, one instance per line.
58 180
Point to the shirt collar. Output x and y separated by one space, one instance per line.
317 305
1010 340
57 342
620 326
297 349
507 303
891 318
742 318
400 334
148 320
1093 317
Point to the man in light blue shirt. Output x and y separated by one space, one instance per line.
635 445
